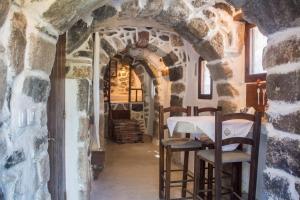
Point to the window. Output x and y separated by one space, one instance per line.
255 43
135 86
204 81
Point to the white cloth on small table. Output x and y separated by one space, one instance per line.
197 125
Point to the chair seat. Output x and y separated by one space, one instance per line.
182 143
227 157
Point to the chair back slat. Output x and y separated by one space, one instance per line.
174 109
198 110
256 119
237 140
238 116
177 109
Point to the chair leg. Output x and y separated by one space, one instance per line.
168 174
218 181
185 173
161 171
236 179
210 175
202 177
197 177
252 181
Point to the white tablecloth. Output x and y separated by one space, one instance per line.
197 125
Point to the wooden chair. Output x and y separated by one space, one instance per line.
171 145
217 157
206 141
200 165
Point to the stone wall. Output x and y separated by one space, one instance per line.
120 84
29 32
208 26
281 59
158 52
157 44
280 21
26 59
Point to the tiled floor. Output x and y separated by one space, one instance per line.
130 173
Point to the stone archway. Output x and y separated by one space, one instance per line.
140 41
142 110
35 25
208 26
167 46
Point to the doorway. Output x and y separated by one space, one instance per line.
124 99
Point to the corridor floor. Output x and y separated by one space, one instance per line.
130 173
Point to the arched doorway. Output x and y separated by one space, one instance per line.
44 22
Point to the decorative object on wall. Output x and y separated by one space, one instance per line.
256 95
264 96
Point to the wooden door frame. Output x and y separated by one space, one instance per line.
56 122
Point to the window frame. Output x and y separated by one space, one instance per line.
131 70
250 77
200 95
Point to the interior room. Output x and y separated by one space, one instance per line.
149 99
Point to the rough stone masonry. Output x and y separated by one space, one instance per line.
280 21
26 59
28 56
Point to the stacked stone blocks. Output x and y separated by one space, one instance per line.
282 61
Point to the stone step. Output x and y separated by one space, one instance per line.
127 131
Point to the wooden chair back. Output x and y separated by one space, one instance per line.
253 142
172 109
213 110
